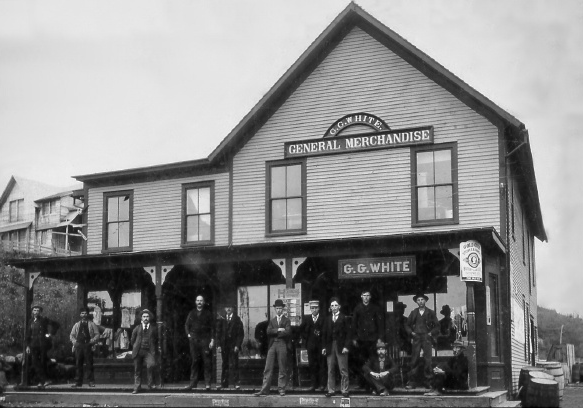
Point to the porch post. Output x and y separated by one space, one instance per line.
471 350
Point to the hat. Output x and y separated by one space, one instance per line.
334 299
278 303
37 307
149 313
418 295
83 309
380 344
315 303
445 310
458 343
400 306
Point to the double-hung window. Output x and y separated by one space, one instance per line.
16 210
286 197
434 185
118 220
198 213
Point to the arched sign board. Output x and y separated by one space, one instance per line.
380 137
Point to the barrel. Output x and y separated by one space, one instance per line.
524 379
555 369
542 392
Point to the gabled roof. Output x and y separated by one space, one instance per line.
32 189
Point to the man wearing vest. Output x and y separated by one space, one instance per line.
422 324
335 343
200 330
84 335
230 339
144 348
38 342
311 335
278 333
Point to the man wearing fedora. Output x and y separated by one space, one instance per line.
279 334
379 371
422 324
311 335
230 338
453 374
447 330
336 341
144 348
84 335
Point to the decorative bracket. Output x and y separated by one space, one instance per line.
296 262
281 263
31 278
165 271
152 272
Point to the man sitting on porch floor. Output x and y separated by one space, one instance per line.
379 371
453 374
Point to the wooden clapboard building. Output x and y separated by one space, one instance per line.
366 166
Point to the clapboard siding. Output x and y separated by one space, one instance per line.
157 213
365 194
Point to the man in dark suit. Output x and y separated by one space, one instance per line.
336 340
200 330
230 339
278 333
422 324
311 335
453 374
38 342
144 348
379 371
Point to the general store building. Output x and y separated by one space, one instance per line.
365 166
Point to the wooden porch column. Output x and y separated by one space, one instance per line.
471 320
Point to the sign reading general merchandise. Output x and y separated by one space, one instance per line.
362 142
471 261
376 267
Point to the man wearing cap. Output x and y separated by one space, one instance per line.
379 371
367 331
335 343
230 339
200 330
278 333
311 335
453 374
84 336
38 342
422 323
144 348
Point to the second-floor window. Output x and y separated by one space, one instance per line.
118 214
286 206
434 173
16 210
197 220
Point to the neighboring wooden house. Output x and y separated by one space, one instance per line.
367 166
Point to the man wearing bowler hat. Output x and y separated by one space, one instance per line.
278 333
311 334
422 324
144 348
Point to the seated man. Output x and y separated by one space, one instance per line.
453 374
379 371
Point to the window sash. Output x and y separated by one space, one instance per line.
286 202
198 208
118 220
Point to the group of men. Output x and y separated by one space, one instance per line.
328 340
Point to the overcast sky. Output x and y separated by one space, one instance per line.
94 86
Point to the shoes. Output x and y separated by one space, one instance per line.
47 383
237 387
135 391
328 394
311 389
218 388
151 387
207 388
410 386
322 389
259 394
384 394
282 393
345 395
373 392
187 388
432 393
91 384
76 386
427 385
40 386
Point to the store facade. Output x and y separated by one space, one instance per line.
367 166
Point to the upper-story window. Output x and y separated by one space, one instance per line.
117 221
49 207
16 209
434 185
198 213
286 197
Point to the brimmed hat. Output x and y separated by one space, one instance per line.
418 295
315 303
445 310
278 303
147 311
84 309
37 307
380 344
400 306
458 344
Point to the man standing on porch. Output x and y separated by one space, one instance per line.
38 342
335 343
422 324
200 330
230 339
84 336
278 333
144 348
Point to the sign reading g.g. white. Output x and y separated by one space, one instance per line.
471 261
376 267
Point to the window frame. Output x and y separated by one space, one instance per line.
415 222
19 203
106 197
269 232
183 216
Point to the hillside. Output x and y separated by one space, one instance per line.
549 331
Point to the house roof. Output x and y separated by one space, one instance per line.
32 189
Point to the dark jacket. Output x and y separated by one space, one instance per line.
230 333
340 329
200 327
46 327
429 319
136 339
311 333
367 323
373 365
456 372
273 333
